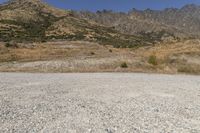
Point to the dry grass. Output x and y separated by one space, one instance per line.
79 56
188 68
45 51
63 57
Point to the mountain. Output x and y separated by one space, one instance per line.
27 19
37 37
184 22
33 20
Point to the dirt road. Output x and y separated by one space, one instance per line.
97 103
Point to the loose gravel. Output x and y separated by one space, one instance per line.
99 103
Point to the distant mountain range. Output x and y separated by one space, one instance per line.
33 20
181 22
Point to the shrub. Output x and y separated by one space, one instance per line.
185 70
193 69
11 44
13 57
153 60
124 65
92 53
7 44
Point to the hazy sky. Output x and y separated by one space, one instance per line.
118 5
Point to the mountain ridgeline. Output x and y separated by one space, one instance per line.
35 21
180 22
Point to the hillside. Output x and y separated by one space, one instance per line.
183 23
35 21
36 37
27 19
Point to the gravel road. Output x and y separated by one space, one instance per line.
99 103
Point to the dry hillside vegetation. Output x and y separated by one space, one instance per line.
35 37
183 22
34 21
81 56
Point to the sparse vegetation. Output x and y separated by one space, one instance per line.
11 44
192 69
76 29
153 60
13 57
7 44
45 26
124 65
61 54
92 53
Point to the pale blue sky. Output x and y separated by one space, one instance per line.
118 5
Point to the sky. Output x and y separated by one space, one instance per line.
118 5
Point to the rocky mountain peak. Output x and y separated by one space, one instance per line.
190 6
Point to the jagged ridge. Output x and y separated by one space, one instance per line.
33 20
184 22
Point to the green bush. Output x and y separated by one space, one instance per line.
124 65
153 60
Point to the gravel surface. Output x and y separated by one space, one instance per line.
98 103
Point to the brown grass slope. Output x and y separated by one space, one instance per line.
81 56
33 20
36 37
